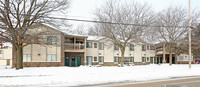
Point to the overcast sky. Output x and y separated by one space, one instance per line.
83 9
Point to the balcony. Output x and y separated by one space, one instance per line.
74 47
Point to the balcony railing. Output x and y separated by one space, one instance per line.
74 46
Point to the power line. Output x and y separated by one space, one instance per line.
92 21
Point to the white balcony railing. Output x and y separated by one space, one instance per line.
74 46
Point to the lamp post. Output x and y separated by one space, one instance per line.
190 35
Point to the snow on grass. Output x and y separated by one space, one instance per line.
75 76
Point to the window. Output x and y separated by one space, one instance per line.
147 47
101 59
95 58
95 45
143 47
51 40
116 59
116 47
152 47
1 51
131 59
26 58
51 57
180 58
101 46
89 44
147 58
143 59
131 47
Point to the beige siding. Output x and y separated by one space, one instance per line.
39 52
109 53
6 56
92 51
3 62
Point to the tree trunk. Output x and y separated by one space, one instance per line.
122 60
19 60
21 57
122 57
170 56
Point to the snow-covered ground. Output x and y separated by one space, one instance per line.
75 76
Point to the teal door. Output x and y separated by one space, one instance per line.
78 61
66 61
89 60
157 60
73 61
173 60
160 59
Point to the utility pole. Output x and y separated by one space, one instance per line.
190 54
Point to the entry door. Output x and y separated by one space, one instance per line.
78 61
151 60
157 60
161 59
66 61
173 60
73 61
89 60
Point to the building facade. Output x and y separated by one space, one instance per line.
6 55
163 55
60 49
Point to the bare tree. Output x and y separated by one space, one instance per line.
196 41
173 23
17 16
118 15
79 30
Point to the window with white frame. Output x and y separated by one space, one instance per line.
116 59
101 59
143 59
51 40
180 58
131 47
1 51
116 47
101 46
143 47
26 58
131 59
51 57
89 44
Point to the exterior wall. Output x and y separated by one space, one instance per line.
92 51
39 52
185 59
109 53
6 56
75 54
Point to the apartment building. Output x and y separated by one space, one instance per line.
103 51
6 55
163 56
61 49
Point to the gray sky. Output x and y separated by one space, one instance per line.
83 9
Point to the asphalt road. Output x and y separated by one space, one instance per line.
177 82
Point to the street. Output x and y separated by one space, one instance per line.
182 82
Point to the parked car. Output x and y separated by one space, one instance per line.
197 61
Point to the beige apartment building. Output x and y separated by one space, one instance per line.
6 55
60 49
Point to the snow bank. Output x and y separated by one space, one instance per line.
75 76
